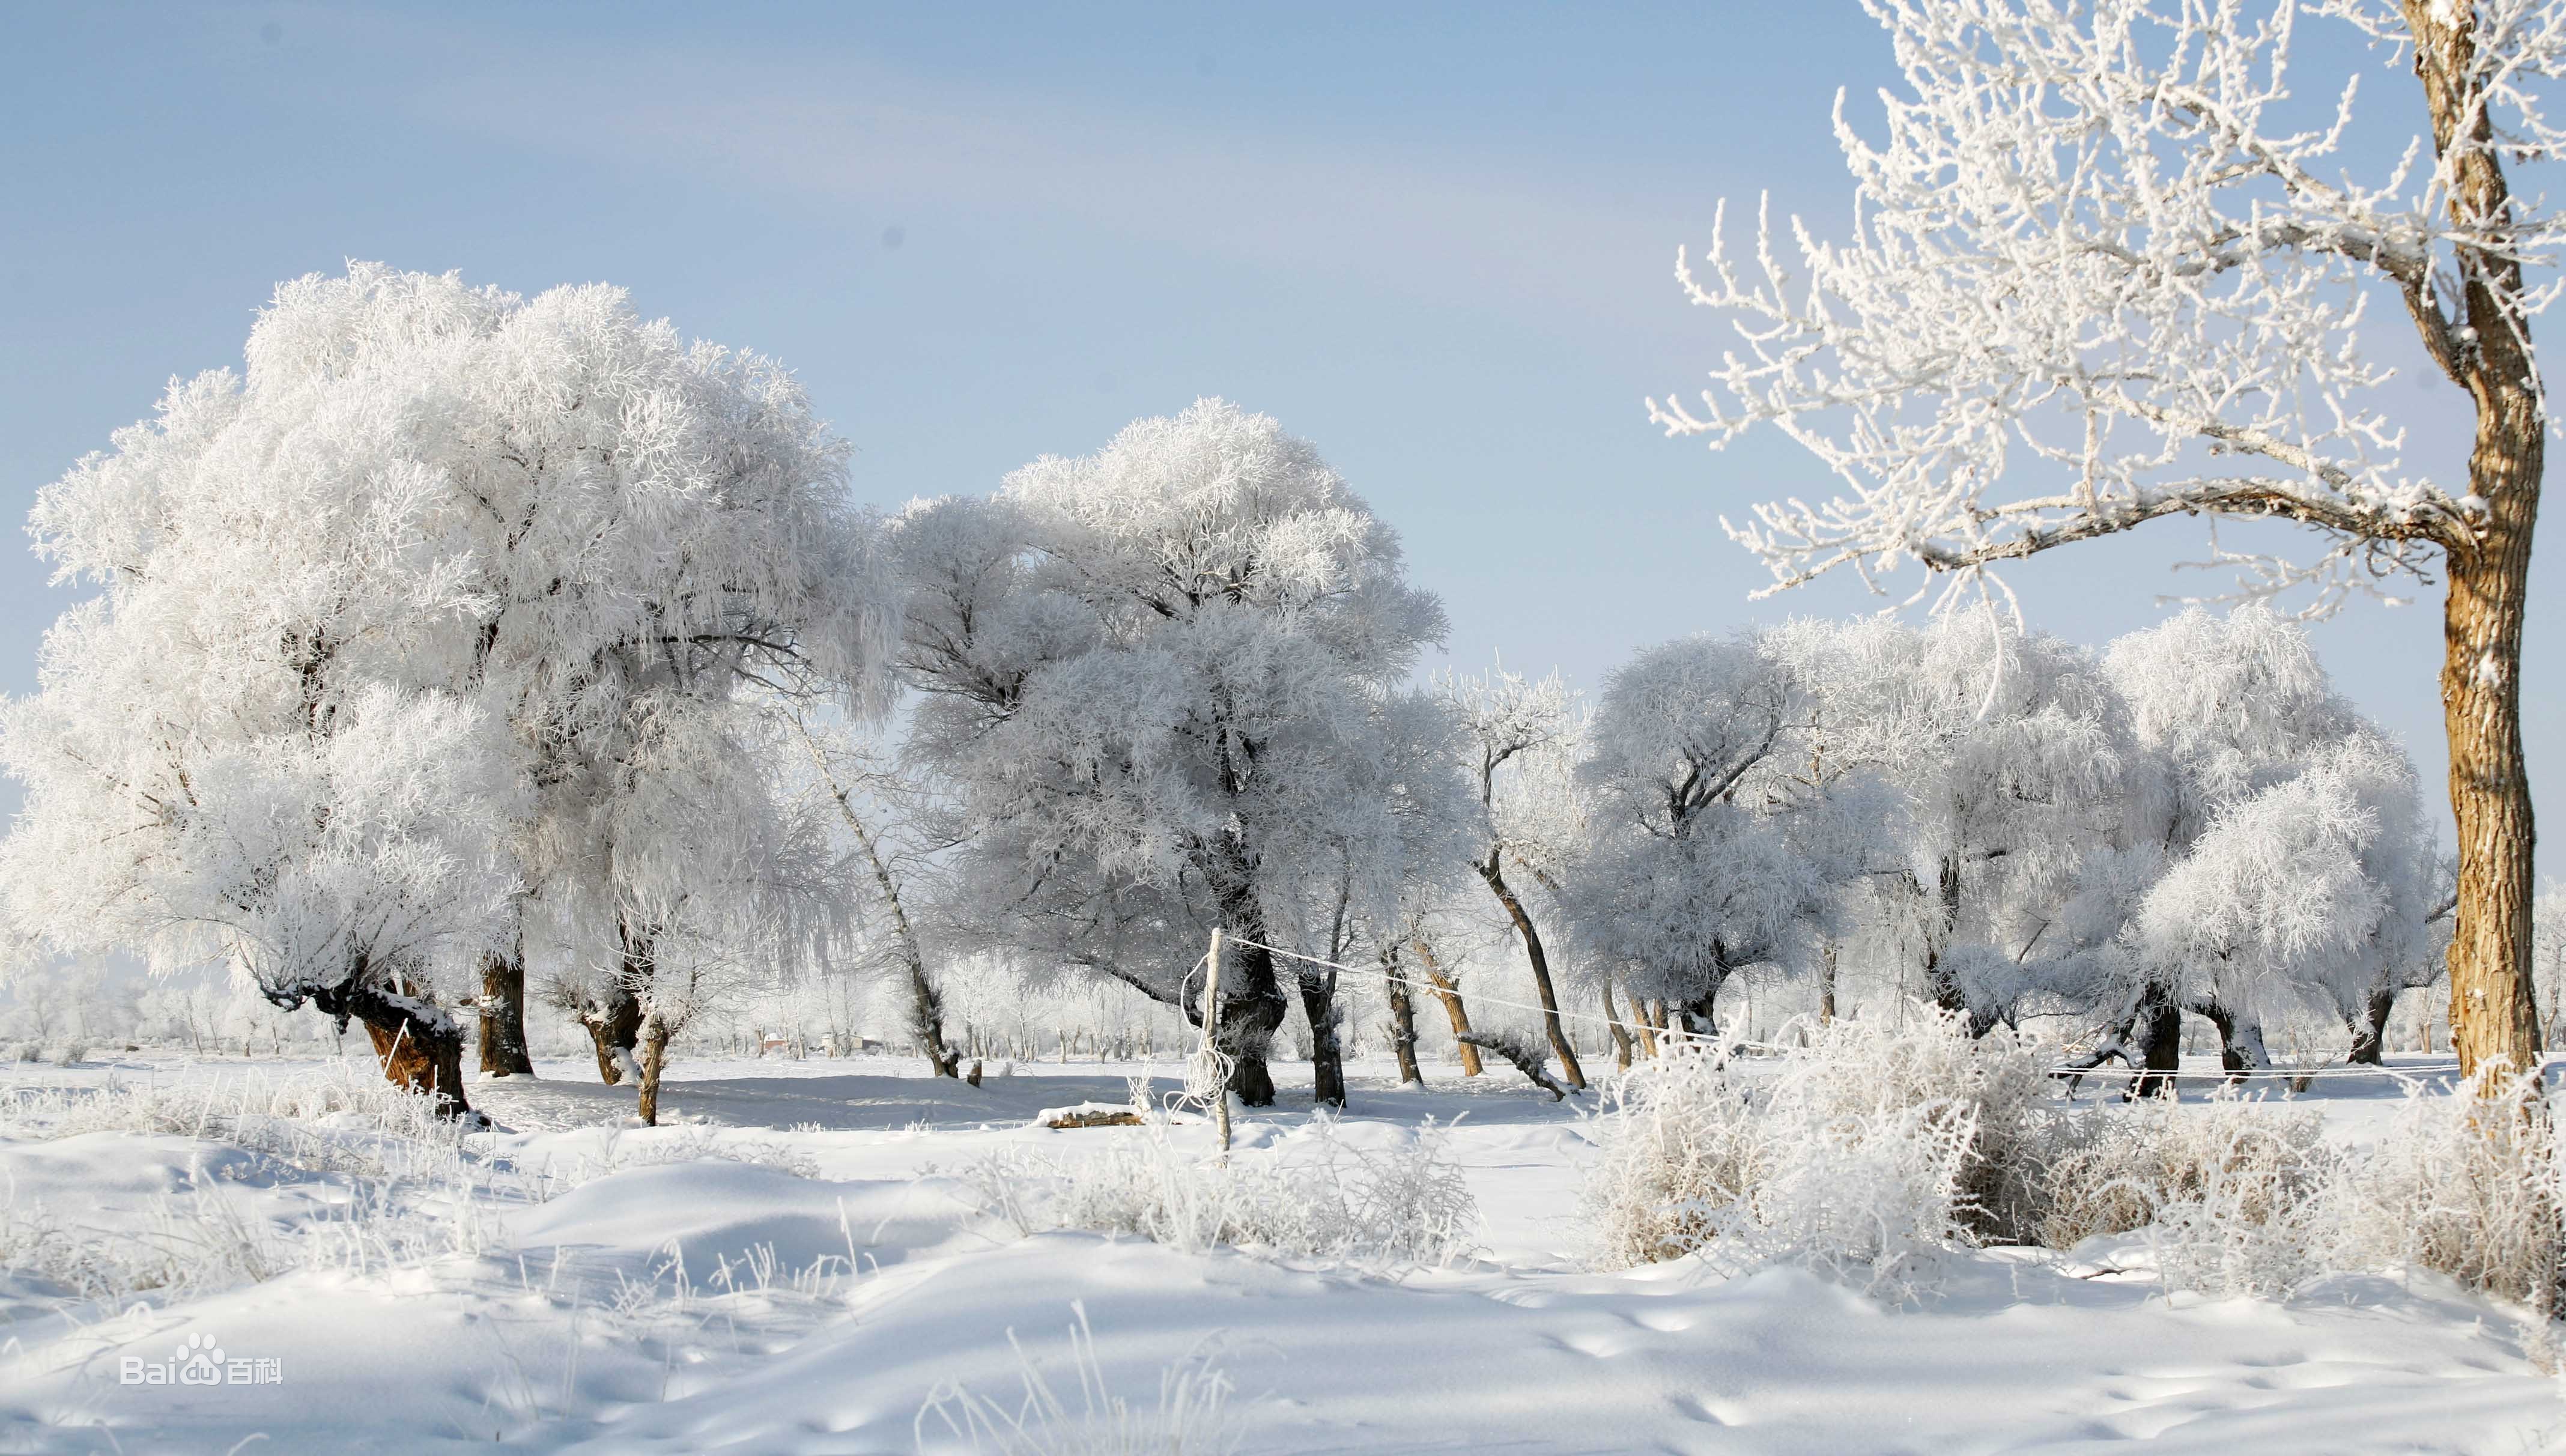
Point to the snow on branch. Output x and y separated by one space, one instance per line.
2107 267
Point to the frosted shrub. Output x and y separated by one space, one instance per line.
2117 1168
2230 1191
2463 1185
1314 1197
1869 1151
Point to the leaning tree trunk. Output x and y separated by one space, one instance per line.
1621 1033
1403 1021
1491 872
1327 1051
2240 1041
503 1016
1449 993
2492 1019
925 1002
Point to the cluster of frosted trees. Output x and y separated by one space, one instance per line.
468 646
1997 822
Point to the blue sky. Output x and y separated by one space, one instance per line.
1438 241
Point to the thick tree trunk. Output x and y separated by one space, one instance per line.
1252 1004
1491 872
1699 1015
2159 1033
420 1046
1403 1022
503 1017
2492 1019
2242 1053
2370 1030
1449 993
1327 1053
655 1060
615 1028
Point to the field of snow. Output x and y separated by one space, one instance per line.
792 1265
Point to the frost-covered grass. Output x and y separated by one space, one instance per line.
1191 1417
1883 1146
770 1273
1315 1195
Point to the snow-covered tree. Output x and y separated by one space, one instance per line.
1693 875
2315 885
2005 774
2230 714
1164 684
548 518
2107 268
1511 725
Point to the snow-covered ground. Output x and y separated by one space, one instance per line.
782 1269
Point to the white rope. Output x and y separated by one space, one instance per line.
1381 977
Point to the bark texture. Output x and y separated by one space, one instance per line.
1402 1023
2158 1034
2492 1019
420 1046
503 1017
615 1028
1327 1051
2369 1029
1455 1011
655 1060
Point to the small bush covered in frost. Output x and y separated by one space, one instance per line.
2230 1190
2463 1185
1312 1196
1877 1147
1868 1151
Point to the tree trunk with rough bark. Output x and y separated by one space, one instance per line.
1450 993
2492 1019
2158 1035
419 1044
1403 1021
2240 1039
1318 987
614 1025
1252 1004
1621 1033
1493 872
2369 1029
503 1017
1939 978
655 1060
